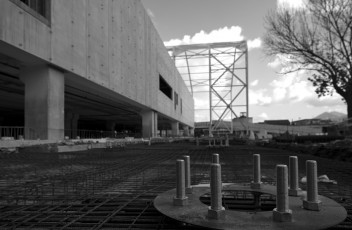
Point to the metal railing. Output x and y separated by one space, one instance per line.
16 133
21 132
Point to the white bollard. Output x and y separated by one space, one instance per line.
256 183
282 213
293 176
215 158
311 202
189 188
180 199
216 210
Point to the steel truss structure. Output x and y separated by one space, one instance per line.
216 74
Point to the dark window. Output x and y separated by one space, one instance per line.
164 87
175 99
38 8
181 105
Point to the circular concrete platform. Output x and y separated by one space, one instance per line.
195 212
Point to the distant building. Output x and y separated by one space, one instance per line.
312 122
277 122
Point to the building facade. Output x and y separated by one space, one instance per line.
67 65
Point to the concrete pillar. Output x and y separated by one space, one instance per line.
110 127
174 128
311 202
215 158
185 131
256 183
149 124
71 124
216 210
191 132
180 199
293 175
189 188
44 102
282 213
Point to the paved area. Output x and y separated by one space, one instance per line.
115 188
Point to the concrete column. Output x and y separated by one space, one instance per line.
293 175
282 213
71 124
215 158
191 132
180 199
189 188
149 124
44 102
185 131
174 128
110 125
312 202
256 183
216 210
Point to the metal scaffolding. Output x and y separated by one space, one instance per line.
216 74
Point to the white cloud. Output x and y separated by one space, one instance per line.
291 88
275 63
225 34
259 97
279 94
255 82
282 61
290 3
295 88
263 116
329 102
256 43
260 118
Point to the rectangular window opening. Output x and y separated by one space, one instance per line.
175 99
164 87
181 106
40 9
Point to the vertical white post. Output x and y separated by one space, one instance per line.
180 199
282 213
256 183
188 174
293 176
312 202
216 210
215 158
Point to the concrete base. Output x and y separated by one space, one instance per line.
189 190
216 214
180 201
282 216
314 206
294 192
255 185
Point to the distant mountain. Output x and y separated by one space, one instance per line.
334 116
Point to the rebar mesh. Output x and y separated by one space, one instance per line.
115 188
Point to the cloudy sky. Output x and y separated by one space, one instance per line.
271 95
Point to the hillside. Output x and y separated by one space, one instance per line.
334 116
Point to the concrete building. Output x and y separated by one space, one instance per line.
87 64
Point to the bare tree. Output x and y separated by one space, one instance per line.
317 38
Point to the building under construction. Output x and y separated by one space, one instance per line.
98 68
68 66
